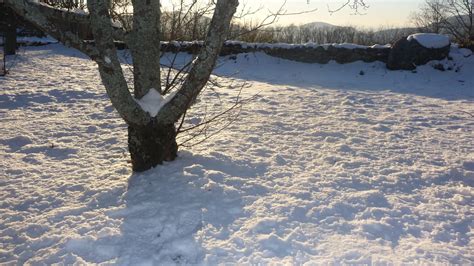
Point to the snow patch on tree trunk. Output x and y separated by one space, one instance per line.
153 101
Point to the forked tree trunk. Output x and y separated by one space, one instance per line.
150 145
151 140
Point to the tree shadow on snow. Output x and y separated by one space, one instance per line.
357 76
26 100
165 211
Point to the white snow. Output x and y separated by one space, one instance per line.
430 40
325 166
116 23
153 101
465 52
380 46
28 40
350 46
107 60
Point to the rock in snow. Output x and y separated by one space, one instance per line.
417 49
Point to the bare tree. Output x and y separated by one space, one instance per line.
454 17
430 17
152 138
185 20
460 19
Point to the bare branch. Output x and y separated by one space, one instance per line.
355 5
207 129
202 65
270 19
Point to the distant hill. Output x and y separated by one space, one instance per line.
319 24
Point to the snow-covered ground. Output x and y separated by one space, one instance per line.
329 164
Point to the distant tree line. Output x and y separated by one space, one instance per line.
188 20
172 29
324 34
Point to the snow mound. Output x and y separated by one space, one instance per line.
430 40
465 52
153 101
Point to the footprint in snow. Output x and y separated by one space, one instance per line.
382 128
468 165
16 143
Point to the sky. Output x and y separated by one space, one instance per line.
379 13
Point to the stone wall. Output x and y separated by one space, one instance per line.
407 53
308 53
324 55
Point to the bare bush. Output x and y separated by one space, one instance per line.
453 17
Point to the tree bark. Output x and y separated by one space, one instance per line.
144 44
110 68
10 32
152 144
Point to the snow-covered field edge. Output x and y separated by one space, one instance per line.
331 164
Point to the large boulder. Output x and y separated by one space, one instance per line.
418 49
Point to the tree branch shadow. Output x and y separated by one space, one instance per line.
166 211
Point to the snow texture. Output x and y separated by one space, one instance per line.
30 40
153 101
325 166
465 52
430 40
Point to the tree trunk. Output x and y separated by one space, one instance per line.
10 32
152 144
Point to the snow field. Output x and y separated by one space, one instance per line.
325 166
